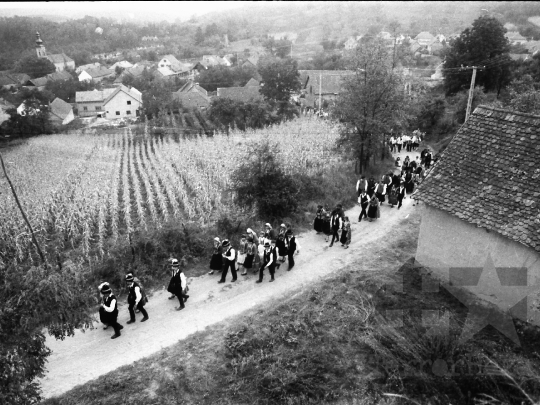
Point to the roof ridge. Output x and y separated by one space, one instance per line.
487 107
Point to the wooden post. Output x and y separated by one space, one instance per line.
471 93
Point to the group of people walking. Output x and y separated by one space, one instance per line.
333 223
408 143
266 251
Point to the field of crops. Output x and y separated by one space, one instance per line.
92 190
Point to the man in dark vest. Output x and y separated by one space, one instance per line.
108 311
135 299
335 224
293 247
178 287
364 203
269 262
229 261
401 194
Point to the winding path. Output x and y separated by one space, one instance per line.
88 355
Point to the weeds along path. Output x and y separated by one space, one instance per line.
88 355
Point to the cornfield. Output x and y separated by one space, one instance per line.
92 190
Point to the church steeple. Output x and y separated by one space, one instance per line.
40 48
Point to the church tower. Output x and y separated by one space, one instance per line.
40 48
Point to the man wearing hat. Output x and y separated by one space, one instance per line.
292 247
135 299
269 262
108 311
178 287
229 261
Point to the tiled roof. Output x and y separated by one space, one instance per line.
60 108
192 99
240 93
59 58
93 96
331 80
252 82
489 175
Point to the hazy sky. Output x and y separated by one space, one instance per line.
173 9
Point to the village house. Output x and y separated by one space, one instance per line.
480 206
60 60
96 74
113 103
60 112
191 95
322 85
79 69
4 107
515 38
245 94
425 38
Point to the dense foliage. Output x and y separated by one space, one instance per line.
484 45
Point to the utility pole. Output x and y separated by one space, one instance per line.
320 92
471 93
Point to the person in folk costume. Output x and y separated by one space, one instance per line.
336 223
399 143
260 247
380 191
371 187
373 210
269 262
401 194
178 286
392 144
269 232
409 183
318 222
135 299
428 159
327 228
281 244
251 250
108 310
229 261
363 200
346 233
216 262
242 252
361 184
292 247
392 195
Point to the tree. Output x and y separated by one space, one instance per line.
34 66
372 102
524 95
280 79
483 44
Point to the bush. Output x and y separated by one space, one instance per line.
261 182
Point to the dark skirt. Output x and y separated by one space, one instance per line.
409 187
343 238
372 211
318 224
248 263
392 198
216 262
326 228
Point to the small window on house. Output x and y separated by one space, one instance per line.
129 102
128 112
85 108
118 113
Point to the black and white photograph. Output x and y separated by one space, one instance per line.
270 203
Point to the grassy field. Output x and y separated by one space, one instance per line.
336 342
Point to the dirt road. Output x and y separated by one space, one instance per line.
88 355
